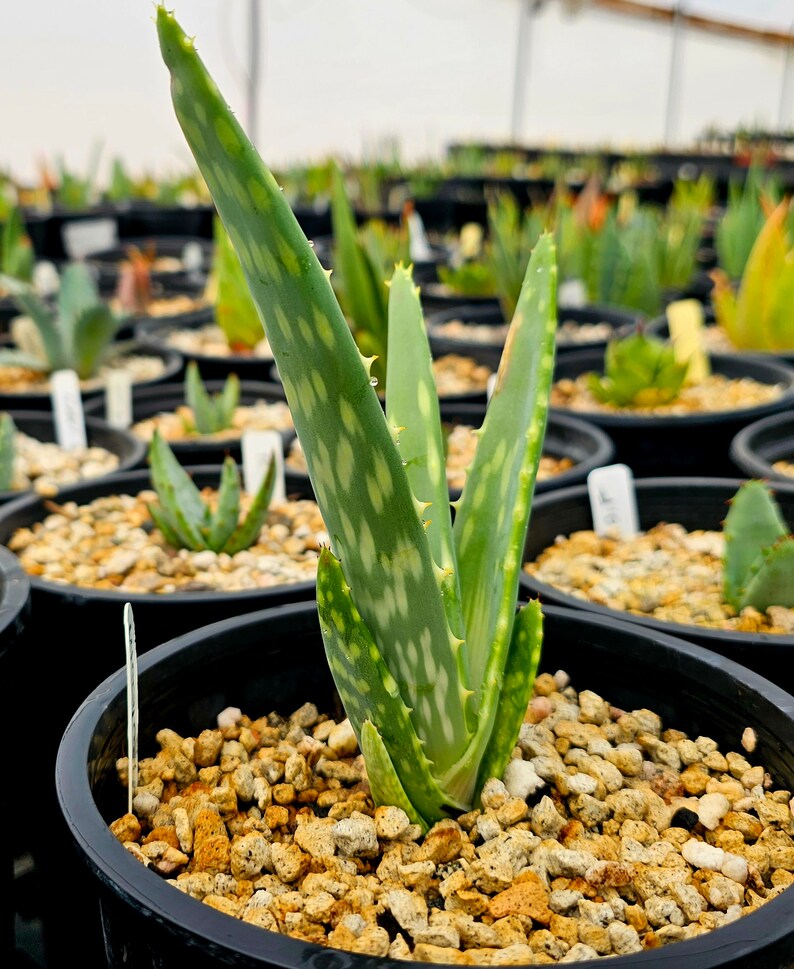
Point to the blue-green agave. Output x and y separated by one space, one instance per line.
432 658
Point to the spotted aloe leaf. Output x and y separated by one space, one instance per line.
758 561
434 703
8 434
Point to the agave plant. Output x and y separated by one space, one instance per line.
72 334
758 561
639 371
760 316
432 659
211 412
188 521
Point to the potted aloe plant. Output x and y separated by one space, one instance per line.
428 648
77 331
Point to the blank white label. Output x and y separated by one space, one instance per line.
84 236
257 448
613 500
118 399
572 292
67 406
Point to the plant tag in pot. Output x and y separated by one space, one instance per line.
132 702
685 322
118 399
83 237
613 500
258 447
572 292
67 407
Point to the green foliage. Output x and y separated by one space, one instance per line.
8 450
760 316
211 413
73 334
746 211
470 278
188 521
235 310
639 371
758 561
17 257
432 659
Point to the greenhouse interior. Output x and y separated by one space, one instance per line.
436 363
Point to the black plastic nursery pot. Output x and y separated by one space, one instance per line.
130 450
687 444
107 262
274 661
14 612
758 447
142 218
165 398
42 399
157 333
488 313
695 503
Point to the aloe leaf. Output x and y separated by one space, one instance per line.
248 531
512 697
337 415
758 283
8 433
30 304
362 292
493 514
235 309
384 783
413 412
228 401
168 527
227 512
93 331
20 358
368 689
17 257
753 522
780 318
180 499
770 582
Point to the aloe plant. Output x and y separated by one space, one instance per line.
188 521
758 561
8 449
72 334
639 371
760 316
432 658
211 412
746 210
235 310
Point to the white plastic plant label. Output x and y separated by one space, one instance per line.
417 237
118 399
257 448
84 236
685 320
67 407
613 500
131 655
572 292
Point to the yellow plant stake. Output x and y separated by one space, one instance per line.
685 322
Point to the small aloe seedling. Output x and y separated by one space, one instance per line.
8 450
211 412
639 371
74 334
187 521
432 658
758 562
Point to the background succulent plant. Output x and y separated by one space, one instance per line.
639 371
211 412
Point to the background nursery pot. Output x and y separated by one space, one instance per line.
695 503
130 450
273 661
757 448
584 326
686 444
14 611
147 402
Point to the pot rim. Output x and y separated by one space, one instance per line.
744 451
104 853
529 584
